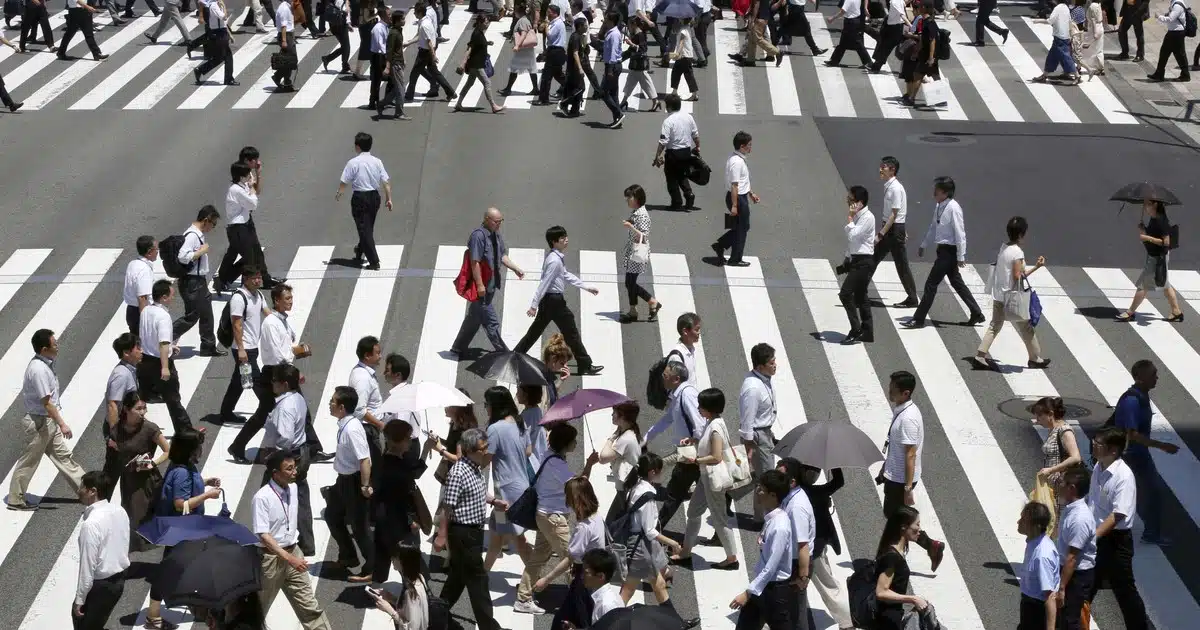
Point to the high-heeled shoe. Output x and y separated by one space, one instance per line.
1178 317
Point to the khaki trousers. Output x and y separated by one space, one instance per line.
278 574
553 534
1024 330
43 437
755 40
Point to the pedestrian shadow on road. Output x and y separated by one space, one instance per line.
1006 568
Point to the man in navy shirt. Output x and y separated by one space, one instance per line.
1133 413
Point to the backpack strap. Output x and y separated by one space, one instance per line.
691 424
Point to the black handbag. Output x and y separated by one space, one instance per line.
523 511
699 172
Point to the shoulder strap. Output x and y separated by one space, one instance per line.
1062 452
538 474
691 425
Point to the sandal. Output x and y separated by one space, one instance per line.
1125 316
658 307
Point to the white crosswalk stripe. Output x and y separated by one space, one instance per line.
140 76
741 307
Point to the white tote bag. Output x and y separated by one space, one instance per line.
718 477
935 93
640 252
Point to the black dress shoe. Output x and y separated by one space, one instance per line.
867 336
737 263
719 251
590 370
322 456
688 624
239 458
977 318
213 352
851 338
910 303
913 323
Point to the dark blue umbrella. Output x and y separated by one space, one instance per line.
169 531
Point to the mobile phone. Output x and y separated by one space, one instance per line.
374 592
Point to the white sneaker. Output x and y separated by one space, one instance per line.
529 608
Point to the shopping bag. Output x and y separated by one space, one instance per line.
935 93
1043 493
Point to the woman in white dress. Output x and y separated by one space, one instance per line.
524 57
1092 55
638 225
1008 275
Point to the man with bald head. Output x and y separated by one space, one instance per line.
487 251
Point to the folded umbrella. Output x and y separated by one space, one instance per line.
582 402
211 573
169 531
417 397
828 445
513 368
1137 192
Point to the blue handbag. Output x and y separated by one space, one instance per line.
488 69
1035 308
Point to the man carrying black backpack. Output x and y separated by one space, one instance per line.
683 412
193 284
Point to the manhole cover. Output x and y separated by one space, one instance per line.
1079 410
942 139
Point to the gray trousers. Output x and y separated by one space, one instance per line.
481 312
170 14
763 458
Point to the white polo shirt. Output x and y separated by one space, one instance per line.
248 305
351 447
1113 490
276 512
155 328
139 280
737 172
39 382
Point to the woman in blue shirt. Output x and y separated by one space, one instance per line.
182 493
553 528
508 455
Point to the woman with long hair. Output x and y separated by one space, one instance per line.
183 492
1155 235
133 462
508 455
646 559
892 572
623 448
589 534
411 611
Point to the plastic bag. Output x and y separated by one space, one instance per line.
1043 493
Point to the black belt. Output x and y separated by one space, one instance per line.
116 577
776 584
858 257
476 526
365 192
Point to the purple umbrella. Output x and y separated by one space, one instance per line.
581 402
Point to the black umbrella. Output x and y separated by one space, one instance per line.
829 445
514 368
210 573
640 617
1138 192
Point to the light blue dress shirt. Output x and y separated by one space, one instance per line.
776 547
556 35
285 424
612 46
685 399
1077 528
1040 571
554 272
364 172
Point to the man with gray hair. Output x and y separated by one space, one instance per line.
464 503
486 252
757 411
683 411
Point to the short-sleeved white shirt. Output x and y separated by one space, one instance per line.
155 327
250 309
139 280
894 196
628 450
276 514
1002 280
907 429
678 131
351 446
737 172
1113 489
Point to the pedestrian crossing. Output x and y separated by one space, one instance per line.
979 464
985 84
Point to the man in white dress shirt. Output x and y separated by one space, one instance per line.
678 139
688 327
247 308
770 598
949 234
893 234
853 26
219 43
1113 498
139 276
241 201
858 266
193 286
1173 42
891 34
103 554
366 384
346 508
46 432
757 412
902 451
276 512
396 370
286 37
738 196
156 372
285 433
426 63
365 175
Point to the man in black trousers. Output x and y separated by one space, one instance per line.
219 38
36 15
949 234
79 18
426 62
853 26
859 267
365 175
893 235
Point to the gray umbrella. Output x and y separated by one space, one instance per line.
828 445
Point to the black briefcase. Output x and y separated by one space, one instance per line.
283 62
699 171
730 222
